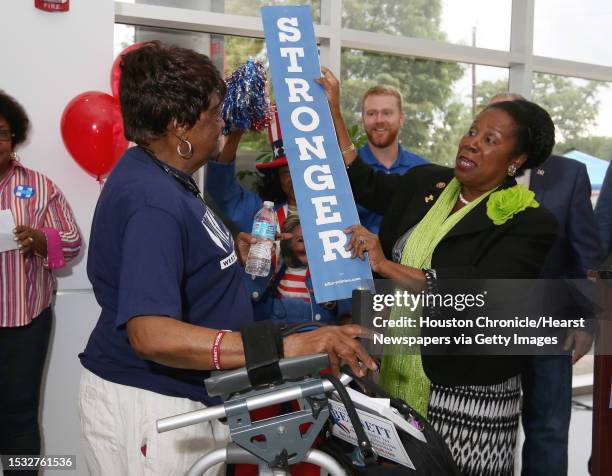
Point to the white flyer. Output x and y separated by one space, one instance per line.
380 431
7 225
382 407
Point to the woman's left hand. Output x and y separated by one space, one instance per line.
30 240
363 240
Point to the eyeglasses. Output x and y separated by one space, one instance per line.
5 135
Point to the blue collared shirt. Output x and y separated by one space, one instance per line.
404 162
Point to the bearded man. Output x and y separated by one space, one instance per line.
383 118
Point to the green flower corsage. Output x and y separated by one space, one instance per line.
504 204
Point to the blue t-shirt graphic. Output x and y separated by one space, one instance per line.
156 249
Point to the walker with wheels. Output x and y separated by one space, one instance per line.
274 443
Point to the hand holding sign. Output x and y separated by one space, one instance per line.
363 241
331 85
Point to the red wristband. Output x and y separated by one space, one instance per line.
216 349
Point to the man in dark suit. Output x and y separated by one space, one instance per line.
562 186
603 213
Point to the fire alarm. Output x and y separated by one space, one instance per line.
52 5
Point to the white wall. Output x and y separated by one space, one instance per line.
47 59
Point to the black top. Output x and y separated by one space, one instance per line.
474 249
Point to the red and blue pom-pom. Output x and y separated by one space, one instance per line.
246 105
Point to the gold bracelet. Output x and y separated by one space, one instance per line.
348 148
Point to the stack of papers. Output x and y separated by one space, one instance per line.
7 225
380 422
382 407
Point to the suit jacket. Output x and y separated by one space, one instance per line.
562 186
603 213
474 249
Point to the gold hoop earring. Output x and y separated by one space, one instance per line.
512 168
13 155
179 149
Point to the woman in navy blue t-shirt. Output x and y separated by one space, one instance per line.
166 273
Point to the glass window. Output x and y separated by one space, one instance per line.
227 53
438 97
484 23
234 7
123 37
582 112
571 30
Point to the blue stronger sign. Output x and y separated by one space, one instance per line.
322 190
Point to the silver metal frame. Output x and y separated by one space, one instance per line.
235 454
253 403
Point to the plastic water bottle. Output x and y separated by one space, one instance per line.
264 229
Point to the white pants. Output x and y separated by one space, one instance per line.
117 421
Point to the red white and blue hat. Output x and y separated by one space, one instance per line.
279 159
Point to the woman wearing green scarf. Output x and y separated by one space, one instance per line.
468 222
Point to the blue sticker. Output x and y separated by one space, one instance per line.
23 191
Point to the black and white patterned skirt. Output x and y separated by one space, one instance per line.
479 424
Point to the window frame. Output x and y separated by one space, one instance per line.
520 60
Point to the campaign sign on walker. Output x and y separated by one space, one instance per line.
322 190
380 431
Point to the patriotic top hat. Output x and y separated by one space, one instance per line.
279 159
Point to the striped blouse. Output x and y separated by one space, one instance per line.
27 283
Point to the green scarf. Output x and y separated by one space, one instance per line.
402 375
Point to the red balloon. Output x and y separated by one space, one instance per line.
116 69
92 130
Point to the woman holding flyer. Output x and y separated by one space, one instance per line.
46 237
